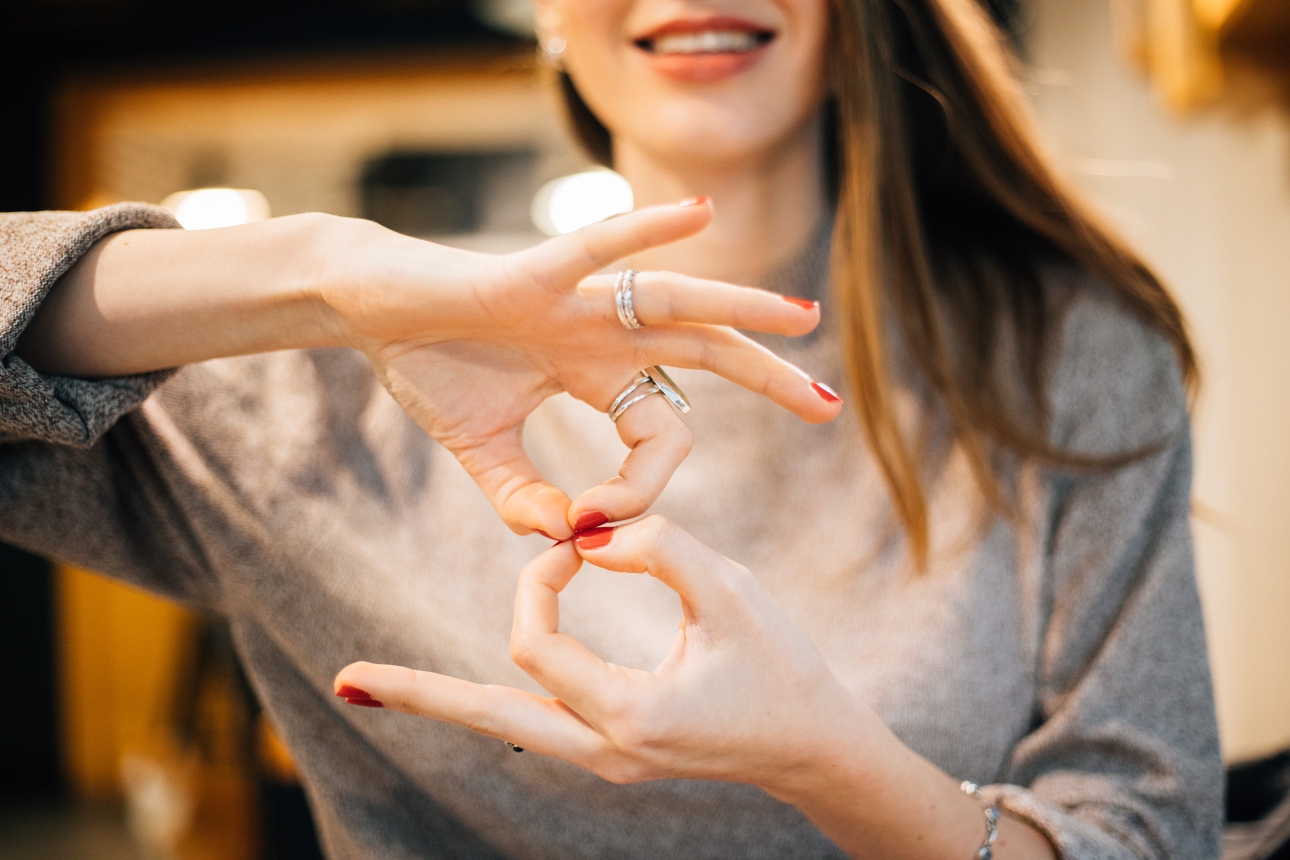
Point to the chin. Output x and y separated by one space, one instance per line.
701 131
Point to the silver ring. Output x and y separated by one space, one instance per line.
619 406
650 381
668 388
640 388
623 299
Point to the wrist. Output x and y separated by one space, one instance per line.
874 796
317 284
838 755
362 270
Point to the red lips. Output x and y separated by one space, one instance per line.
700 25
704 67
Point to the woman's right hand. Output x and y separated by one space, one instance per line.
469 344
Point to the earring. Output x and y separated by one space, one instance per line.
551 52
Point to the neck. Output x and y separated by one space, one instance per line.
766 210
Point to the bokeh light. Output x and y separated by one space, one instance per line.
572 202
205 208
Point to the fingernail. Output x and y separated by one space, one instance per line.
695 201
364 703
545 535
348 692
804 304
828 395
557 543
594 538
589 520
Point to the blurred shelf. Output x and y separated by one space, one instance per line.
1258 30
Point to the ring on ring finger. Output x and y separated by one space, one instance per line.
623 299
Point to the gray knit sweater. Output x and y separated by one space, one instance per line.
1060 659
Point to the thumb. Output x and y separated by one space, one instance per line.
522 497
560 263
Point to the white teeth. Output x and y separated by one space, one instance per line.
707 42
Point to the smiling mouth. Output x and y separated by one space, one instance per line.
714 41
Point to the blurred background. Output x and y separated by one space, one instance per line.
130 731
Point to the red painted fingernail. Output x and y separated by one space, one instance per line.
364 703
545 535
594 538
695 201
804 304
589 520
348 692
828 395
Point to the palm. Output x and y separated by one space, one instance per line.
501 334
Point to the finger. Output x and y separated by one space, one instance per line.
664 297
532 722
524 499
706 580
560 263
659 440
744 362
557 661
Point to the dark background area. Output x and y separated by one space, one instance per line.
42 41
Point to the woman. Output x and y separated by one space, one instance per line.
1020 379
985 575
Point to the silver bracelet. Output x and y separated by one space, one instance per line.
991 820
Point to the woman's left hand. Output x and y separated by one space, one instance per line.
735 699
743 696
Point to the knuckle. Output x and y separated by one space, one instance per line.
657 529
709 357
638 736
682 441
523 651
479 714
675 313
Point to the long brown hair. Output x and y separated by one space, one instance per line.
946 209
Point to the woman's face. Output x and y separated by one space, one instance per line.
703 82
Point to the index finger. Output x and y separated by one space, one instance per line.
532 722
560 263
557 661
519 493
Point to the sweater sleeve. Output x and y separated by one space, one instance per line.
36 249
79 479
1123 759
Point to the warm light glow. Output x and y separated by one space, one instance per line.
205 208
571 202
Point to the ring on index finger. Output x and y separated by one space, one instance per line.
623 299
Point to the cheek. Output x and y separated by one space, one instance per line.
811 53
596 47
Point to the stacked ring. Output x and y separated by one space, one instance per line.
623 299
651 380
636 391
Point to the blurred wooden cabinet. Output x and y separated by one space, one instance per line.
149 716
1200 51
121 657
